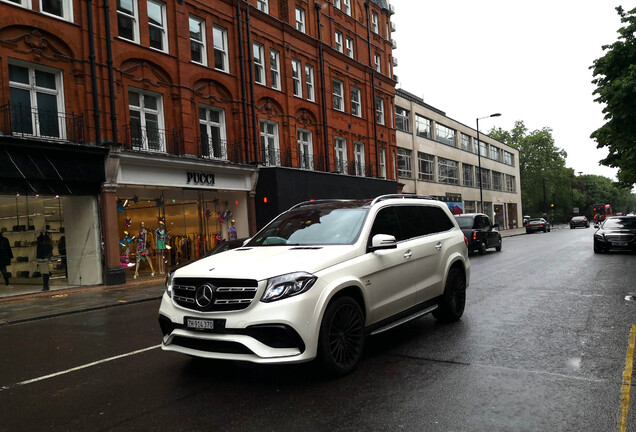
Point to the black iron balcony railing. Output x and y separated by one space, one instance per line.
213 148
306 160
23 120
271 157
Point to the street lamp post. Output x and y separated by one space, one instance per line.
481 190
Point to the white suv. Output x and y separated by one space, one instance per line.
317 280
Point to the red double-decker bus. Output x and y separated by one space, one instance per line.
601 211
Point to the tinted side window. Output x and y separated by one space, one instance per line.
386 222
411 221
435 219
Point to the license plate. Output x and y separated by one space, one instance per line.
199 324
619 244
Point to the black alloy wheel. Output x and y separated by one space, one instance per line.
482 248
341 337
498 247
451 307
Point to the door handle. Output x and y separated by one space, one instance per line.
408 254
438 246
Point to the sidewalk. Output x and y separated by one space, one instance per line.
30 306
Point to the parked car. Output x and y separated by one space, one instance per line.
480 232
579 221
616 233
319 279
225 246
537 224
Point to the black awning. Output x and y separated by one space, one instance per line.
60 171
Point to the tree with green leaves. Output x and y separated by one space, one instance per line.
615 79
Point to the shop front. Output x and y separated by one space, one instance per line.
49 216
172 212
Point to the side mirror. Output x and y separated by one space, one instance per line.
382 242
495 226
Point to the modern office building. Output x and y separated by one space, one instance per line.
439 156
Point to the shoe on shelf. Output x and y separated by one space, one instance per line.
136 276
152 274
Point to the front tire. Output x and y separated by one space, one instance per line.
341 337
498 248
451 306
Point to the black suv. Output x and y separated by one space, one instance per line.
480 232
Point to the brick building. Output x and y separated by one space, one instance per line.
211 117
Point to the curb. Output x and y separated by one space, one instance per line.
70 291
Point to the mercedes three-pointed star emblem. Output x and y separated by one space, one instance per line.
204 295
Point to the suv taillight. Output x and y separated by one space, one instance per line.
466 241
474 235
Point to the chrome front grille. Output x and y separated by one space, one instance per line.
227 294
620 237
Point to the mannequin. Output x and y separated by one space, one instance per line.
43 254
142 249
161 241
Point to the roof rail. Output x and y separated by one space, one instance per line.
402 196
314 202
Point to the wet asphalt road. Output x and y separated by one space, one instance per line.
542 347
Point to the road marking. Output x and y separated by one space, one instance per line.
95 363
627 380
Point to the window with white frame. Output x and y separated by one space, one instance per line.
465 142
375 26
259 64
337 3
356 100
349 47
382 172
197 41
405 169
127 21
422 126
59 8
269 143
358 154
300 19
262 5
346 7
379 110
157 28
468 174
296 78
36 101
402 119
338 95
444 135
497 181
426 165
146 120
309 82
305 149
338 41
341 155
212 129
447 171
23 3
377 60
219 36
274 68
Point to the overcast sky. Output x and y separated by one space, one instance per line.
528 60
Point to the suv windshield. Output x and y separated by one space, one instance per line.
313 225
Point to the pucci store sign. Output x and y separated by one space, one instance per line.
197 178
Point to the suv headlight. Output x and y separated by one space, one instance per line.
169 279
288 285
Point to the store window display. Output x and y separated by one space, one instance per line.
144 238
161 244
5 255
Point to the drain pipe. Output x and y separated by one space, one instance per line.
253 90
91 57
322 85
246 141
373 114
111 74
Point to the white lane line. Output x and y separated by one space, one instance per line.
95 363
